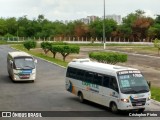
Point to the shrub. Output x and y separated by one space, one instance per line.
108 57
65 50
157 44
29 44
46 46
59 43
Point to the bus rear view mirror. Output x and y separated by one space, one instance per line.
11 63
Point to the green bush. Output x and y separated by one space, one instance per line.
29 44
59 43
108 57
46 46
65 50
157 44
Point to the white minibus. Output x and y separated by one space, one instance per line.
21 66
117 87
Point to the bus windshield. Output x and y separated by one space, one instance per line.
132 82
24 63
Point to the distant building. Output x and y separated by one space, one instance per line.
85 20
66 22
92 18
116 18
89 19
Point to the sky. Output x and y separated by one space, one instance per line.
75 9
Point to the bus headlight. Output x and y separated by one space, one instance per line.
125 100
33 71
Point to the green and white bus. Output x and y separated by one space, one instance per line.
117 87
21 66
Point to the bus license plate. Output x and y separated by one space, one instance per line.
138 104
24 76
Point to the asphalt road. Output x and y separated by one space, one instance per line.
46 94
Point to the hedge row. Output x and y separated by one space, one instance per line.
108 57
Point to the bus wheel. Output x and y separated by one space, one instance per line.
80 95
113 107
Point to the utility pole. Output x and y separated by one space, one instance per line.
104 37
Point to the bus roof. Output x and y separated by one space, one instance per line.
18 54
86 64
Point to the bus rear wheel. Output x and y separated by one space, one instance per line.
80 95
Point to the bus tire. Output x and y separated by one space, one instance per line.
113 107
81 98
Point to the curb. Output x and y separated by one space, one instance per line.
155 102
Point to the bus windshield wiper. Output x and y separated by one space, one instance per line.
142 91
130 92
29 66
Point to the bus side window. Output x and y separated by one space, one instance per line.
80 74
106 81
68 72
97 79
71 72
113 84
88 77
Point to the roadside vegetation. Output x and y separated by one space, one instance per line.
108 57
157 44
135 27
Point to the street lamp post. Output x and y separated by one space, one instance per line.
104 38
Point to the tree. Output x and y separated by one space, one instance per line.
96 28
3 28
124 30
140 27
157 44
139 24
46 46
66 50
152 32
81 29
54 49
29 44
12 26
108 57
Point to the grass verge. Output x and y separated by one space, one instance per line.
53 60
155 93
4 42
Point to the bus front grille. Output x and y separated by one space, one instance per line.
138 102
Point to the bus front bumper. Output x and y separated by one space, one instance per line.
24 78
130 106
